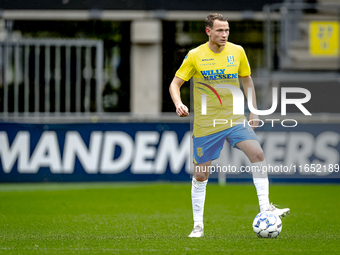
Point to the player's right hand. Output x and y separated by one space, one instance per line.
182 110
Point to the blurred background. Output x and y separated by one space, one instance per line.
84 86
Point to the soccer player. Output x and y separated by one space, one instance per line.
213 66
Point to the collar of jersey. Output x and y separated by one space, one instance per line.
214 52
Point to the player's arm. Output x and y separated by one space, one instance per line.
247 82
175 93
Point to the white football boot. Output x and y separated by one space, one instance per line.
197 231
279 212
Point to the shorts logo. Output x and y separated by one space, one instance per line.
200 151
251 131
230 59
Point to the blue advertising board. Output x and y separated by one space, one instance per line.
94 152
152 151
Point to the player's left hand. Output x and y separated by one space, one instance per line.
254 120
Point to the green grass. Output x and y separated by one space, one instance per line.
156 218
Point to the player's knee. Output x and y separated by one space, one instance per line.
259 155
201 177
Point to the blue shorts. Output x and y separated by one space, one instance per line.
209 147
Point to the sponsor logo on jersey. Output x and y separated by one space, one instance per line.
209 93
207 59
218 74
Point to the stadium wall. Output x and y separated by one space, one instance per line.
156 151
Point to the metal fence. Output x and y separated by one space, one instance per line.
50 77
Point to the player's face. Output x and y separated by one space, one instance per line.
219 33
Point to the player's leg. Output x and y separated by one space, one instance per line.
254 152
255 155
198 191
205 149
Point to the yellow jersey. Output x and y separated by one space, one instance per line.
209 71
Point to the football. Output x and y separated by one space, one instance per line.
267 225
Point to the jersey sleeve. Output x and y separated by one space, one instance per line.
244 69
187 69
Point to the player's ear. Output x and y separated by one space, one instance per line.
208 30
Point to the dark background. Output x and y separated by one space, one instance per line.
218 5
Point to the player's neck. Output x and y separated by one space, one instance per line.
215 47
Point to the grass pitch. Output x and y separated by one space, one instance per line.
156 218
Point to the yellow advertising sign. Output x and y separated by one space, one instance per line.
324 38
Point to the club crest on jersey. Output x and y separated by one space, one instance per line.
230 59
200 151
